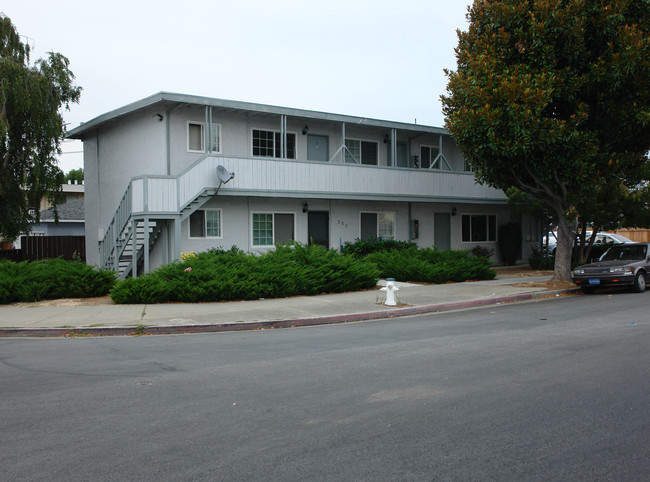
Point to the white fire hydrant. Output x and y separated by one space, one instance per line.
390 290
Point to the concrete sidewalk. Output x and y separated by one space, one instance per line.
76 317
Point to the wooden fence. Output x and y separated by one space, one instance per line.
638 235
42 247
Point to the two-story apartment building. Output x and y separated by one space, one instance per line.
153 186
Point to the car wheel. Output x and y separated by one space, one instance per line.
588 289
639 282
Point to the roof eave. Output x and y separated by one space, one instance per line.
78 132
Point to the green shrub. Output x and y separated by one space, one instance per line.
289 270
361 248
51 279
431 265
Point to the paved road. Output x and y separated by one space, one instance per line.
551 390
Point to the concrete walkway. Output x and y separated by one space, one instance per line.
75 317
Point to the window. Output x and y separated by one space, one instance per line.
429 157
196 137
205 223
268 143
272 228
479 228
364 152
377 225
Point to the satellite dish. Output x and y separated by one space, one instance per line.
223 174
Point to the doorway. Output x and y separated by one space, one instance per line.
318 228
317 148
442 230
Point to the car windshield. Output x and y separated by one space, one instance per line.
625 252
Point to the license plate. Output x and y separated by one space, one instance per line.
594 281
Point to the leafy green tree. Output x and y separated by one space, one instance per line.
75 175
553 97
31 128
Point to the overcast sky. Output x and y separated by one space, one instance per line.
371 58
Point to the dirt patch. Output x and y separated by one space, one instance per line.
547 284
100 300
520 271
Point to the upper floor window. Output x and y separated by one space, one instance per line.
479 228
196 137
429 157
268 144
205 223
361 152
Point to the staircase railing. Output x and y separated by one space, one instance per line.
108 246
142 196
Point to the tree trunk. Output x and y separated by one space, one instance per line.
565 234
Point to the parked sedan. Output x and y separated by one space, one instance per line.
622 264
602 239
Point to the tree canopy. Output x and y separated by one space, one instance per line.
75 175
31 127
553 97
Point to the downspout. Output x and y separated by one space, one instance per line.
343 142
206 133
393 147
283 134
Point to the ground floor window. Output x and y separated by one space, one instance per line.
479 228
272 228
205 223
379 225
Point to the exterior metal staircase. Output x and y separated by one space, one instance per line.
137 225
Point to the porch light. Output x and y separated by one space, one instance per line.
305 130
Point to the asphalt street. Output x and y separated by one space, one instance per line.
547 390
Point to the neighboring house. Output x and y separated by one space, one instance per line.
71 220
69 192
152 186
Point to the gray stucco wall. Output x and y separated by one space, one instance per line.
344 222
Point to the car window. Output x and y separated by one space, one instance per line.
630 253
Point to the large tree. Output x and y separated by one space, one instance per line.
553 97
31 127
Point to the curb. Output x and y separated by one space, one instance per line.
267 325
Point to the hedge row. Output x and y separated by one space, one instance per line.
219 275
431 265
51 279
